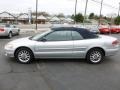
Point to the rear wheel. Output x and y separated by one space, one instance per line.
95 56
24 55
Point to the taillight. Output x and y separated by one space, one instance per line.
1 30
116 42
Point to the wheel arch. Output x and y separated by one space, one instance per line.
97 48
23 47
10 31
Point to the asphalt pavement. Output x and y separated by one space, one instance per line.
58 74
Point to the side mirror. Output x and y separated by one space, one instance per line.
43 39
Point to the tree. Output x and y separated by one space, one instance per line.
96 17
117 20
91 16
73 17
41 13
78 18
61 15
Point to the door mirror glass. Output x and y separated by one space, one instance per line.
43 39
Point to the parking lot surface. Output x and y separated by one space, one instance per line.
58 74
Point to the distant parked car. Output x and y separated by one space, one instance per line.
104 29
9 30
115 29
94 30
64 42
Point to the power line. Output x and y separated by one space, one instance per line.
105 4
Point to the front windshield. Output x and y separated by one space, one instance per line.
38 36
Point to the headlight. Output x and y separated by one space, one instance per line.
9 46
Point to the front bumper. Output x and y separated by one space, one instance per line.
9 53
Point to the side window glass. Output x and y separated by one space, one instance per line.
76 35
14 26
7 25
59 36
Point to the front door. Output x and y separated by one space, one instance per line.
57 44
79 45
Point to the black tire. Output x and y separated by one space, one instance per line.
95 56
28 55
18 32
10 35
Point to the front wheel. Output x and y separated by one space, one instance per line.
18 32
24 55
10 35
95 56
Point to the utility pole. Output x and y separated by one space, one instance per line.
119 9
101 11
75 11
85 11
30 15
36 13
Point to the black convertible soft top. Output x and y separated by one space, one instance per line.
86 34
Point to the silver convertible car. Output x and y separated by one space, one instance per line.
63 42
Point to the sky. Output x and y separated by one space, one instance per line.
58 6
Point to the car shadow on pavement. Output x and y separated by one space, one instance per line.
3 37
13 60
14 36
60 60
107 60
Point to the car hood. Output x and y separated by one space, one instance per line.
22 41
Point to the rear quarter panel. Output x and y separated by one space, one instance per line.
81 47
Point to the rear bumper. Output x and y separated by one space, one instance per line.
3 34
111 52
114 31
